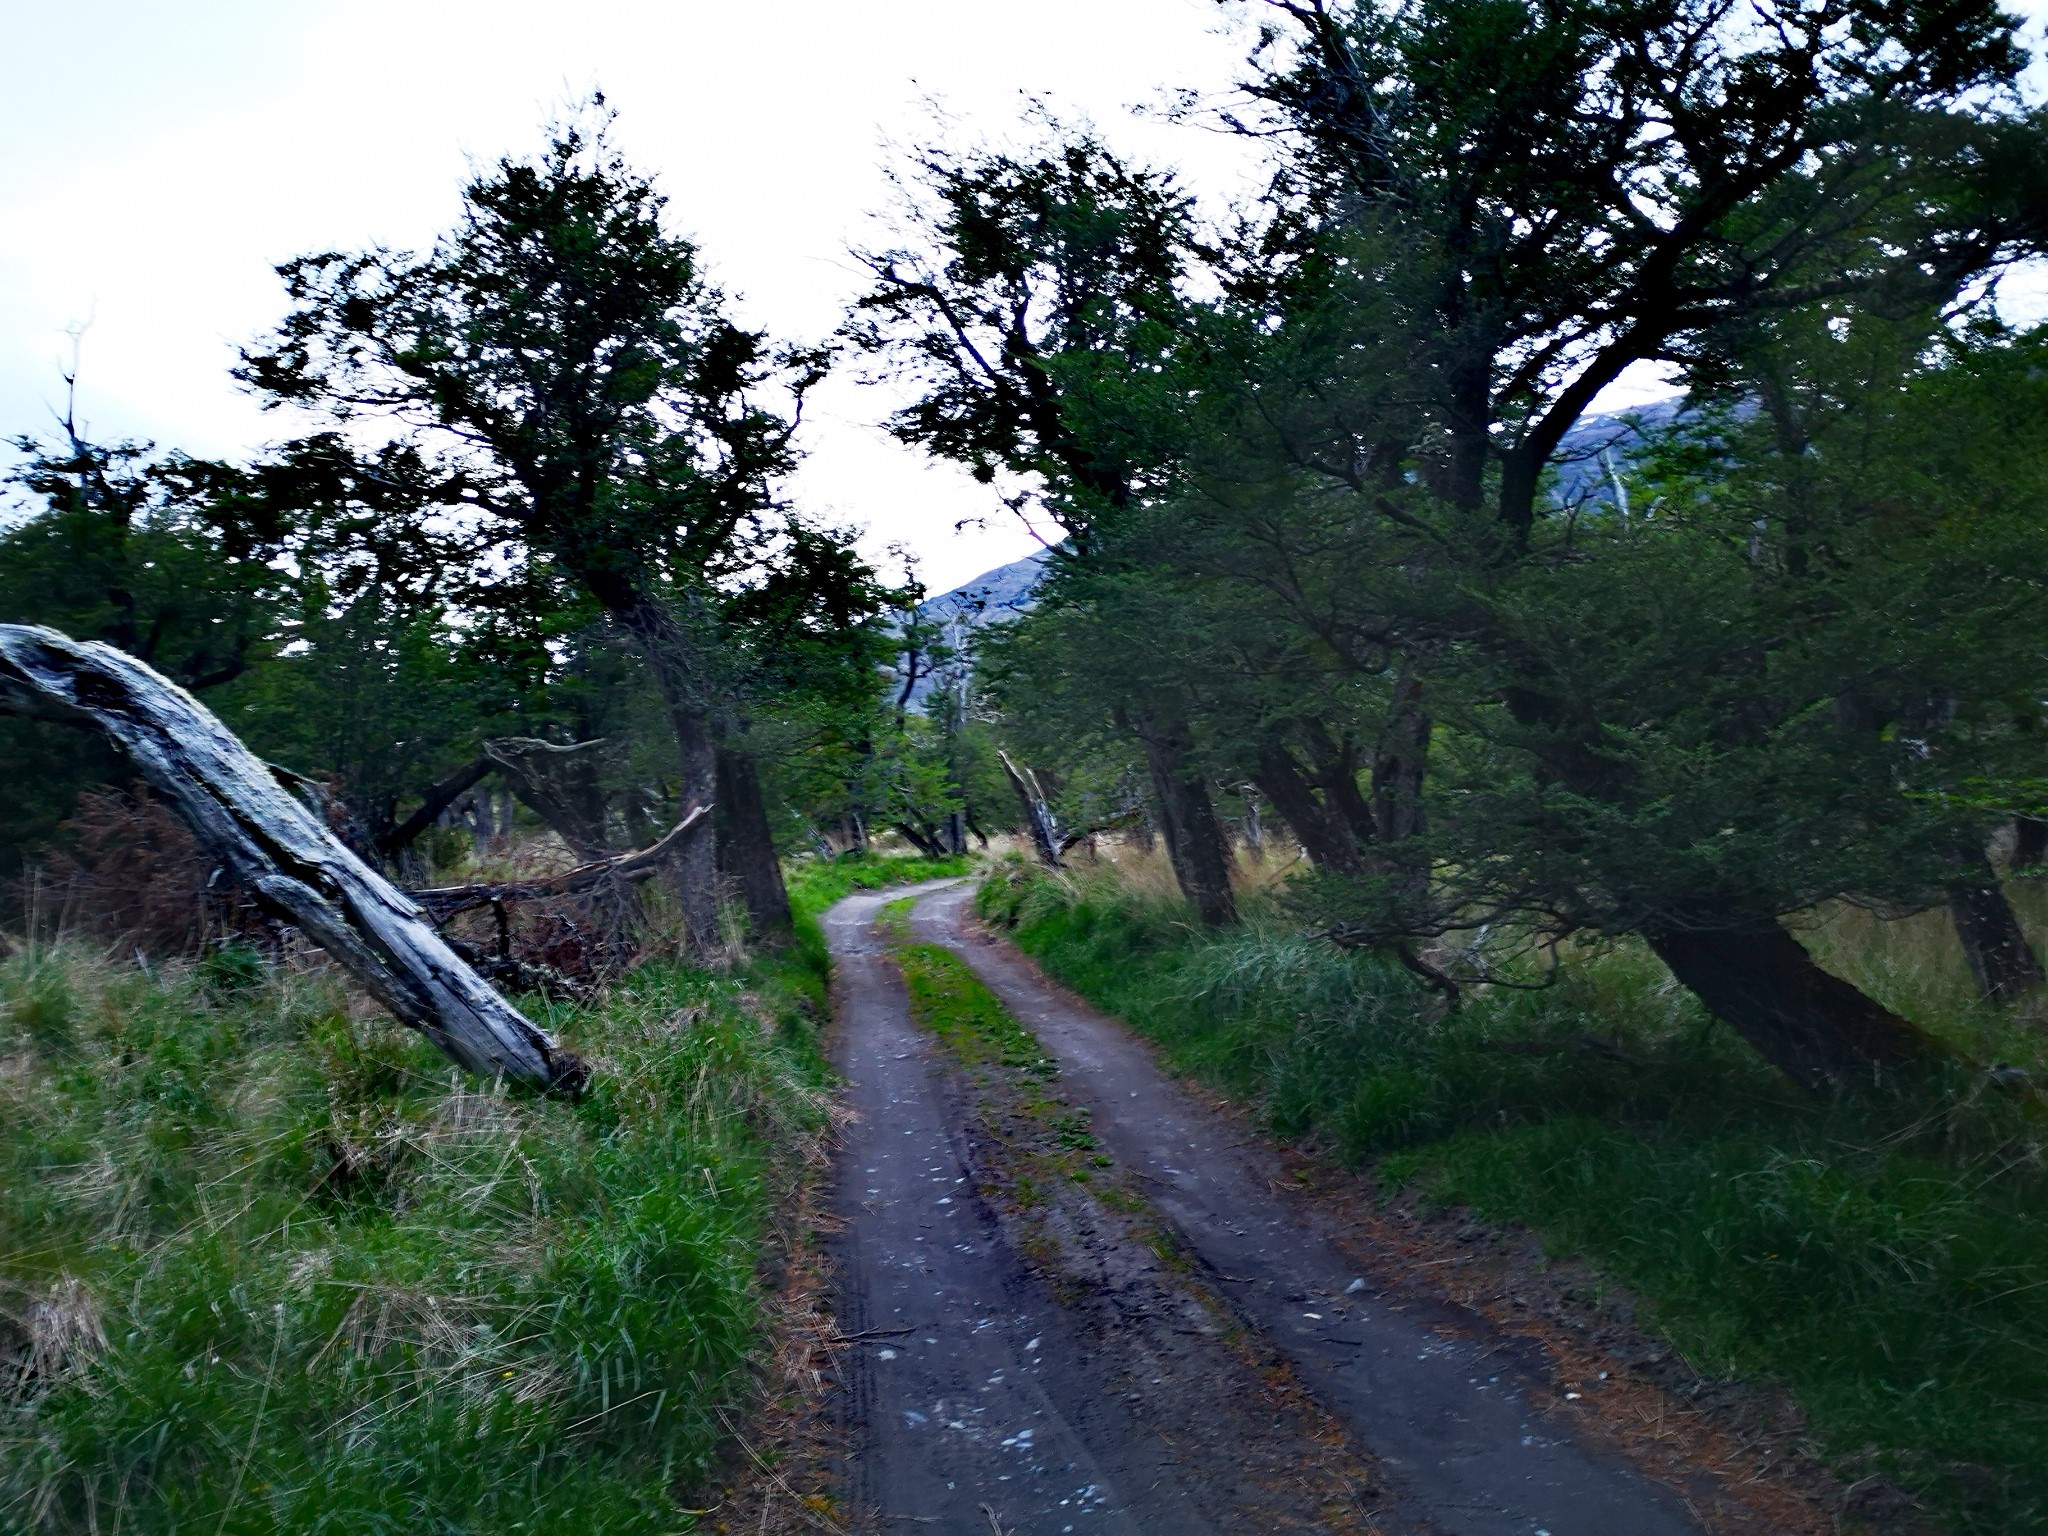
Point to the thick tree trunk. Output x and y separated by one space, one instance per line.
1187 818
749 842
1811 1025
670 655
1318 829
276 847
696 863
1399 766
2004 964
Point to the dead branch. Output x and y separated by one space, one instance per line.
1045 832
447 900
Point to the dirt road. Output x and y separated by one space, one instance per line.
989 1387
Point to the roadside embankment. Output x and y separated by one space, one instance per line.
1889 1273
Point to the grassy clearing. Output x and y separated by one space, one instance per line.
1890 1267
267 1263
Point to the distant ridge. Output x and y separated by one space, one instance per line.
1004 591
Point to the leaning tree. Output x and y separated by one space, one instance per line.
1037 303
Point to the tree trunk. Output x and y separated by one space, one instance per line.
1811 1025
1337 776
1399 766
1254 834
670 655
275 846
2004 964
750 843
1319 830
1194 838
1045 832
2029 844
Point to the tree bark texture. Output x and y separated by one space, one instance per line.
2000 957
1399 766
276 847
1808 1023
743 830
1194 837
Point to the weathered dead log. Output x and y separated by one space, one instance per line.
447 900
1045 831
276 847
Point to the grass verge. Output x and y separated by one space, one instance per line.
267 1263
1891 1271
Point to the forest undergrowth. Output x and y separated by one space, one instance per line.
271 1264
1885 1262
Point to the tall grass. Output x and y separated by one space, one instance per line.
1887 1263
268 1264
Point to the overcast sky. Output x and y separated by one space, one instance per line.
161 158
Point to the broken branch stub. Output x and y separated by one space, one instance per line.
276 847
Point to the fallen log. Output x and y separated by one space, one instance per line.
277 848
446 900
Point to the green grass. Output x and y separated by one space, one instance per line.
1889 1264
268 1264
815 884
950 1000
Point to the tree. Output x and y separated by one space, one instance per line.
1488 212
1810 672
1040 306
607 424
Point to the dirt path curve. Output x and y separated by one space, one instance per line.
967 1390
1455 1414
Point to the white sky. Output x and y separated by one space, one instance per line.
158 159
161 158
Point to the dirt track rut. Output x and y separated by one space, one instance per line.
974 1390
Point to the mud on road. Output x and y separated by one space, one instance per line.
1093 1303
